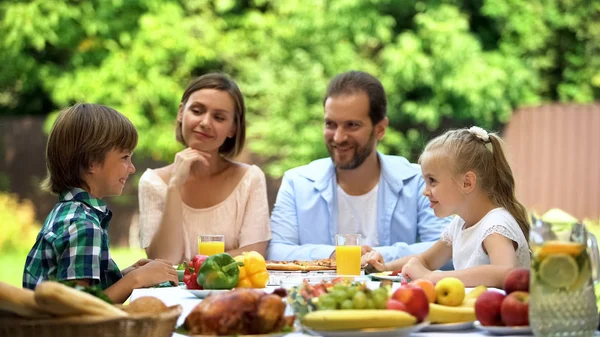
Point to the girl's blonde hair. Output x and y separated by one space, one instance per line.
476 150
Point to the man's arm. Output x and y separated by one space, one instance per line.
285 241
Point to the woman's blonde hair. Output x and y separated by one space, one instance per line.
482 153
82 135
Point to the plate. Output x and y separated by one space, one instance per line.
392 332
448 327
279 334
204 293
504 330
386 276
180 331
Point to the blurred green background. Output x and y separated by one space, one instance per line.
443 63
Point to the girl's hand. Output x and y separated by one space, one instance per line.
414 269
183 163
155 272
375 259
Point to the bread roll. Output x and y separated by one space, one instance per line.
19 301
62 300
146 305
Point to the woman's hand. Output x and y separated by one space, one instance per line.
414 269
183 164
375 259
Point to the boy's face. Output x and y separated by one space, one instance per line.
108 178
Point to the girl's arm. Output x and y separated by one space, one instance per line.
503 257
433 258
436 256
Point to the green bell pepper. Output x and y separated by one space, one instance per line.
220 271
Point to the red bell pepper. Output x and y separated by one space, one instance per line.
190 275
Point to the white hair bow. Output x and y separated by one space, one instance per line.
480 133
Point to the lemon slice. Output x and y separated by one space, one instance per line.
383 273
559 247
559 270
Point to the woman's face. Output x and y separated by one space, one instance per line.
207 119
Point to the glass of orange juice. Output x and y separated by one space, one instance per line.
347 253
211 244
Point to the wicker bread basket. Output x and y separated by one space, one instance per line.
154 325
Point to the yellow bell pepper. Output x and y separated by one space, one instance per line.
253 274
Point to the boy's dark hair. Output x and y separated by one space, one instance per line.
353 82
234 145
82 135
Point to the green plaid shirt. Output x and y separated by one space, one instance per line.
73 243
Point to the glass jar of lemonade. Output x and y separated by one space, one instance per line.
563 270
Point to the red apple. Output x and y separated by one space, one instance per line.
515 309
517 280
487 308
392 304
414 299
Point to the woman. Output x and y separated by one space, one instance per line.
204 191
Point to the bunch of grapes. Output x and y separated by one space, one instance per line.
355 296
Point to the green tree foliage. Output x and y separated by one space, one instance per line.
444 63
20 229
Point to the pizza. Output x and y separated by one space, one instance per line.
315 265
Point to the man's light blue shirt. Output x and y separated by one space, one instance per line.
304 219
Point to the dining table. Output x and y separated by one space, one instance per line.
179 295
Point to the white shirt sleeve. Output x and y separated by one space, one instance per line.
152 203
255 224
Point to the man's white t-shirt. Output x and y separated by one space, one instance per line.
357 214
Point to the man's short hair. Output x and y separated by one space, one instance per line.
353 82
82 135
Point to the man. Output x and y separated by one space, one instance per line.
357 190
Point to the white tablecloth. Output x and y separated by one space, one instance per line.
173 296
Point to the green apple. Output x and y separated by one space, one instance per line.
450 291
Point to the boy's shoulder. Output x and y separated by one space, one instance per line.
75 210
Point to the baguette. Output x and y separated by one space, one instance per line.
62 300
19 301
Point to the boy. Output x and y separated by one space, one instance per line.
88 157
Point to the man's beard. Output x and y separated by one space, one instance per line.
358 157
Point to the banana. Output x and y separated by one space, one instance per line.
468 302
446 314
357 319
475 292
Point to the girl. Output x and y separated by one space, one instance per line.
204 191
467 174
